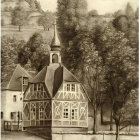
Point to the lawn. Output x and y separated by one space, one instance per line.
26 32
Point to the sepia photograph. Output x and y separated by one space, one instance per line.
69 70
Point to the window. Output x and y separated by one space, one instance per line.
12 115
41 112
25 81
66 113
1 115
54 58
39 87
35 87
74 114
68 87
73 87
14 98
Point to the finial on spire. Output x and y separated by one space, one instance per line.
55 45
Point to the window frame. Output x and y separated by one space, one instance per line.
66 113
68 87
73 87
25 81
14 98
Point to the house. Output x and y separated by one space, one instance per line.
12 99
55 100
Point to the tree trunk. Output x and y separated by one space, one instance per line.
117 132
95 121
111 120
44 28
19 28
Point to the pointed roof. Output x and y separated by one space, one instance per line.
15 83
53 76
55 45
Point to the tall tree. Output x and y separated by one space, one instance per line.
19 17
119 60
137 13
129 11
71 18
47 20
82 58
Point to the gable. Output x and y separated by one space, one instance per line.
64 94
15 82
36 91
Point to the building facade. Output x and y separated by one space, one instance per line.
12 99
55 99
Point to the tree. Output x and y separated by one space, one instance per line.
118 13
93 13
129 11
119 60
137 13
47 20
94 73
9 56
121 23
82 58
19 17
71 18
36 51
38 6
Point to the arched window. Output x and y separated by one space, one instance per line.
54 58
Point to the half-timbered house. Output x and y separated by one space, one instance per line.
55 98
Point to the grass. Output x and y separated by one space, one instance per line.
26 32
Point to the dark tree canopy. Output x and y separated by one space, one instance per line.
36 51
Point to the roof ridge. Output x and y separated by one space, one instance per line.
24 70
11 78
71 73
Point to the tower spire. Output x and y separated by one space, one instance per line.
55 45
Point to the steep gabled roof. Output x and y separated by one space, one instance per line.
15 83
53 76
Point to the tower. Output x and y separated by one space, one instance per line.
55 56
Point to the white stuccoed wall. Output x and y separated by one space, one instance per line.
8 105
90 137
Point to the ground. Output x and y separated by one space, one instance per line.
19 136
26 32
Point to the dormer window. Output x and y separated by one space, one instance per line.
25 81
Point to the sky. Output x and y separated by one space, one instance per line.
102 6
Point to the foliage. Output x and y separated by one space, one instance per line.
121 23
9 56
137 13
121 66
19 16
118 13
128 24
129 11
34 4
36 51
82 58
71 18
47 20
93 13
